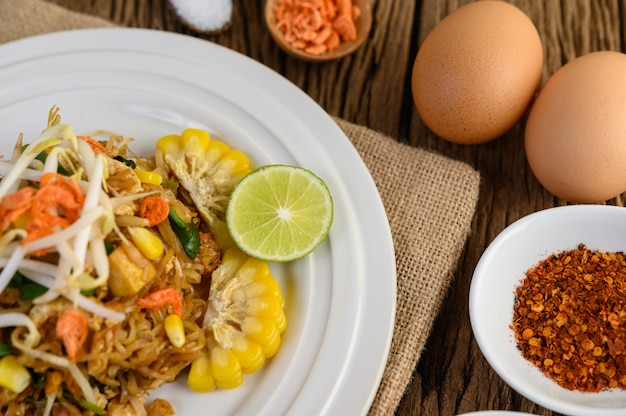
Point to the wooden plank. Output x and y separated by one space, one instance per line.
366 88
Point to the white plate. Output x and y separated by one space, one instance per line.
145 84
500 270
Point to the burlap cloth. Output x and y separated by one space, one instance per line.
429 200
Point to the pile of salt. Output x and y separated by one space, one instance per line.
204 15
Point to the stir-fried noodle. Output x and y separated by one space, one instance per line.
83 306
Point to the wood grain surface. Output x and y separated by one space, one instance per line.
372 88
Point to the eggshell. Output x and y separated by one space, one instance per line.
575 136
477 71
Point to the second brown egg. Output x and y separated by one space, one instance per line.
477 71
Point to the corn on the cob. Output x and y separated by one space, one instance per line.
244 322
208 169
13 375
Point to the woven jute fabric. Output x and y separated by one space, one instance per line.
429 200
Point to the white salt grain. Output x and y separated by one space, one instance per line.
204 15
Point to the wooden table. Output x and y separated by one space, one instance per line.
372 88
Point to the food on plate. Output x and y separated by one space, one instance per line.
575 133
477 71
246 318
279 213
118 274
569 317
316 26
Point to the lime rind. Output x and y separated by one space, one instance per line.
279 213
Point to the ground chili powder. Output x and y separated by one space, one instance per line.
569 318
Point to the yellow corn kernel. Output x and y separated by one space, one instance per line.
145 176
200 378
175 330
195 141
259 287
225 368
234 259
13 375
170 144
281 322
268 307
249 354
264 332
253 269
216 150
237 162
146 241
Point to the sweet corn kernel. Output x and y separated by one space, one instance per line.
200 378
216 150
169 145
249 354
195 141
259 287
145 176
175 330
146 241
264 332
253 269
225 368
281 322
237 162
268 307
13 375
234 260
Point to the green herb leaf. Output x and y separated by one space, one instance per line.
109 247
43 156
128 162
84 403
5 349
29 290
91 407
16 280
187 234
37 379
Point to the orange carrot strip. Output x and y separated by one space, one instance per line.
95 145
162 298
73 330
155 209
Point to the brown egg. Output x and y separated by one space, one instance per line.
575 134
477 71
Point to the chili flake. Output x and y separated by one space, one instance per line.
569 318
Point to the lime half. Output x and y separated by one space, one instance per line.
279 213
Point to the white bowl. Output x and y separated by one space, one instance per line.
499 271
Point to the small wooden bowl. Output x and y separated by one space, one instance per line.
363 26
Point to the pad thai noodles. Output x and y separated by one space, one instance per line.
118 274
